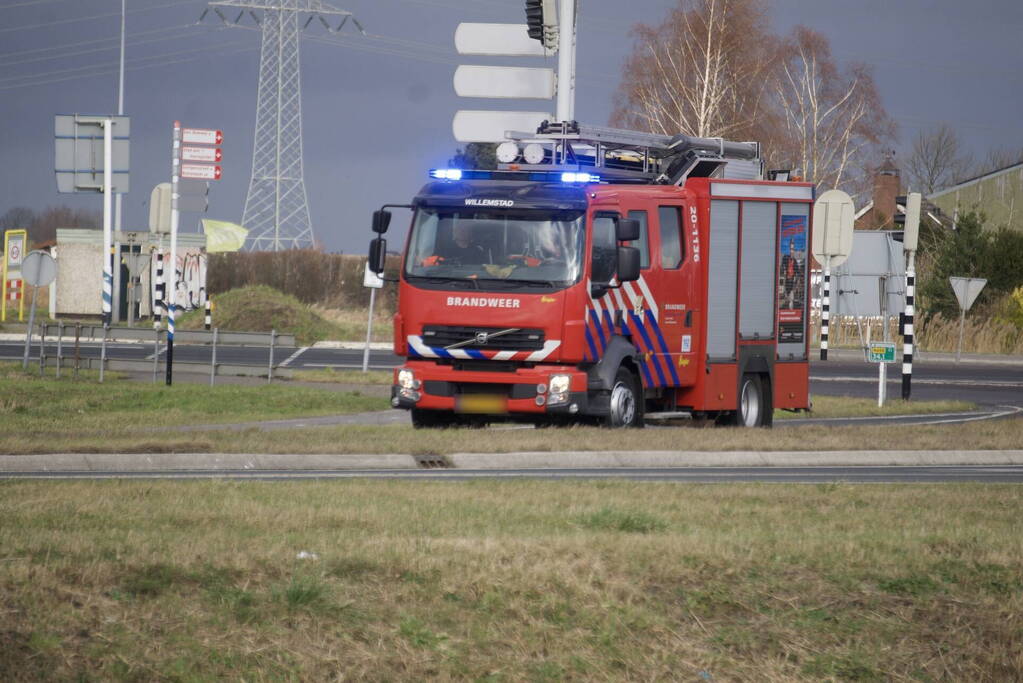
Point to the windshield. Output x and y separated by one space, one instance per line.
536 247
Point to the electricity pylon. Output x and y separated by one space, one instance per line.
277 207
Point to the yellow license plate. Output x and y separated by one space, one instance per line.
481 403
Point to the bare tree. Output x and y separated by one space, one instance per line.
18 217
832 118
699 72
999 158
938 160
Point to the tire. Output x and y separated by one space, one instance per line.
753 406
433 419
626 402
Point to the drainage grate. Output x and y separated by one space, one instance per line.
432 462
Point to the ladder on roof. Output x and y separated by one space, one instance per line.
632 156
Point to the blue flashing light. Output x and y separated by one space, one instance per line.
446 173
579 178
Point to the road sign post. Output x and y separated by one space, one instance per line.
374 282
39 269
966 290
15 242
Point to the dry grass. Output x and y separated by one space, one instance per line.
351 322
981 333
509 581
847 406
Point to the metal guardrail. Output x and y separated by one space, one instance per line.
78 332
94 332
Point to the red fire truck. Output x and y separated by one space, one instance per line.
619 275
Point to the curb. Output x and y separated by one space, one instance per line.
224 462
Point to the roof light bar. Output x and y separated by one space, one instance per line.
579 178
446 173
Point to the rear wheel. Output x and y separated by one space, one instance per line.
754 406
626 401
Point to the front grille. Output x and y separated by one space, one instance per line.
524 339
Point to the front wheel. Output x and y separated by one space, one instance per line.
626 401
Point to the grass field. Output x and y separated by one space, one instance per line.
48 415
509 581
41 408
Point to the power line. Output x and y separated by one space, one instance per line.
113 46
89 67
135 67
30 2
95 16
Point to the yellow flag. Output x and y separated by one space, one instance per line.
223 236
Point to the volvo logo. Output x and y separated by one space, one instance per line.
482 338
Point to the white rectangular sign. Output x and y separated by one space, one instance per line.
212 154
505 81
201 136
200 171
15 251
507 40
490 126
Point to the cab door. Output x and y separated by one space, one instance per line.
674 260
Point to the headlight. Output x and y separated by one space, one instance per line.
406 380
559 384
558 387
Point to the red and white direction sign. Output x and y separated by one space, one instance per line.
200 171
201 136
201 154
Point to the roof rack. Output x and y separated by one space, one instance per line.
631 156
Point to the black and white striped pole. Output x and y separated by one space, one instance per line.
171 308
209 314
909 244
158 306
825 308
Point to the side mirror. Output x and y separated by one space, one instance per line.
627 230
377 254
381 220
628 263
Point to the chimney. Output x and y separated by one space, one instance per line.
886 187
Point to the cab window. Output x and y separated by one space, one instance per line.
643 243
672 253
605 253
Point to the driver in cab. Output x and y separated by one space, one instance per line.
462 250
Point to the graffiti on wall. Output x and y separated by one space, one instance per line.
189 280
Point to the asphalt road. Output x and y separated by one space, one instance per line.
708 475
844 374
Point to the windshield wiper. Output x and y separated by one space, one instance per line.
439 279
551 284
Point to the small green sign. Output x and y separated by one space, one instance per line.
881 352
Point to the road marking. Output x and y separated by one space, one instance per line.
298 352
961 382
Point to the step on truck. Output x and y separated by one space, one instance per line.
609 277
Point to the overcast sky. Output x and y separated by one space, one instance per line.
378 109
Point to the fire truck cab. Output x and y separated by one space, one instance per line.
549 295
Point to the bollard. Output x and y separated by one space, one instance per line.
103 352
42 349
270 369
158 307
213 359
78 357
156 351
209 313
60 343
